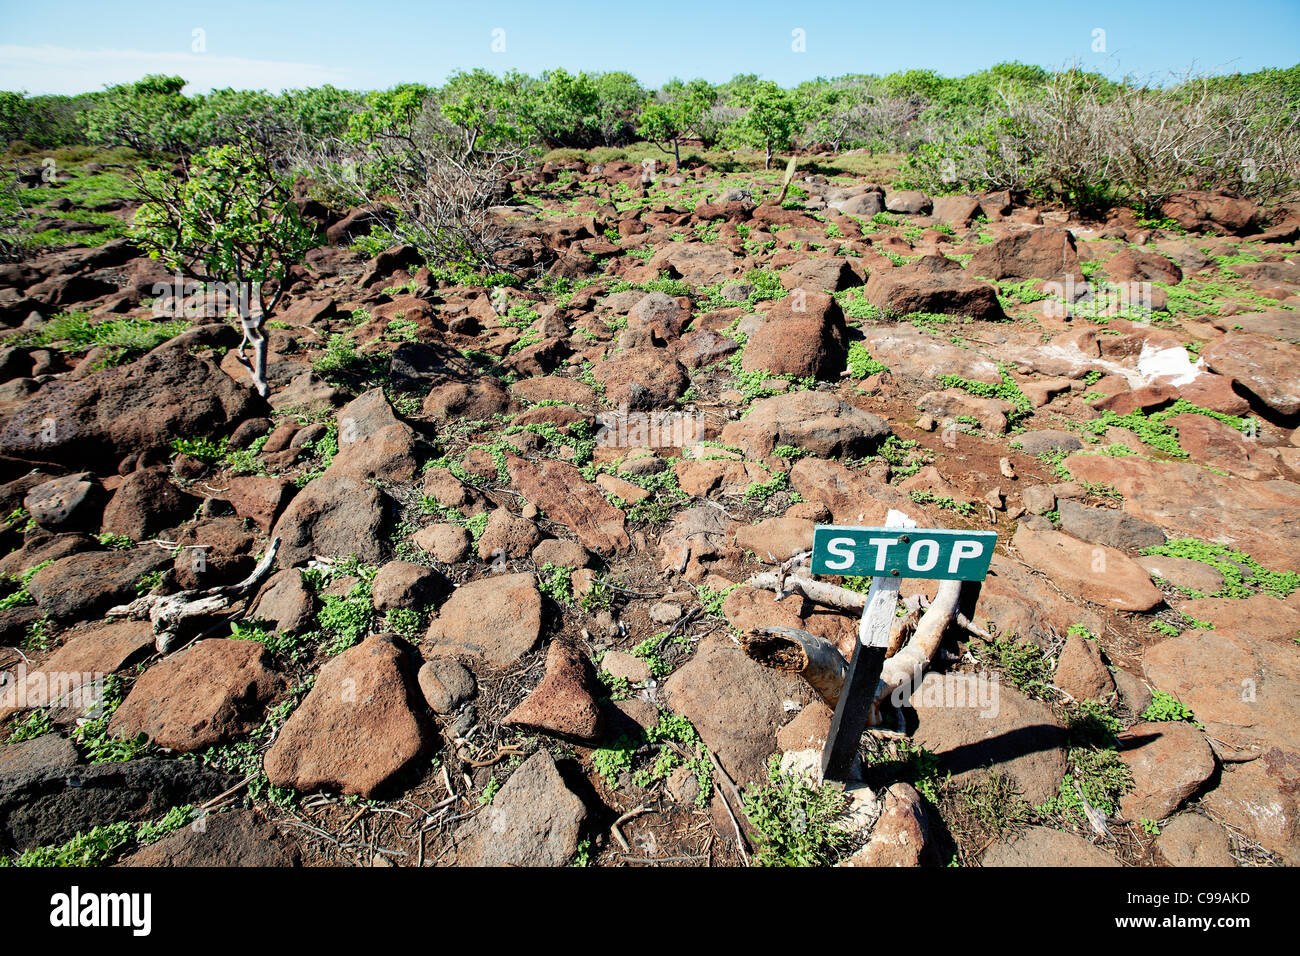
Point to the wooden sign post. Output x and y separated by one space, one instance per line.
888 554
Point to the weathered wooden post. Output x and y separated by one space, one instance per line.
888 555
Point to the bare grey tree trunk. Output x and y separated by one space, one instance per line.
253 318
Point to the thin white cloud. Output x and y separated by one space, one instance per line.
54 69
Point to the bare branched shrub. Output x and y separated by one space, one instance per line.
440 178
15 243
1091 144
714 121
884 123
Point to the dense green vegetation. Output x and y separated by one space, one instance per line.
1011 126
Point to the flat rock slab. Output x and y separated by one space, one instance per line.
748 609
1170 761
1040 846
84 585
727 477
167 394
1221 446
1261 615
1259 799
553 388
852 497
1048 440
915 354
495 620
565 496
211 692
1241 686
43 549
1108 526
1091 572
238 838
1269 369
991 413
905 290
360 726
1275 324
50 806
1255 516
990 726
736 705
819 423
777 539
533 820
1183 573
1190 839
46 752
68 677
808 730
1021 603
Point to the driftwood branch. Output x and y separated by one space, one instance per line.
907 666
168 612
819 592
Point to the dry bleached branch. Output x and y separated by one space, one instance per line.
167 612
820 662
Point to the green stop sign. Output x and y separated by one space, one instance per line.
933 553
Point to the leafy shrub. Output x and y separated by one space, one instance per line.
795 822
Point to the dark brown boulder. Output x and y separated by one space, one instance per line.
98 420
145 503
1046 252
803 334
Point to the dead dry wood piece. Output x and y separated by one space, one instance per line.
824 667
618 834
791 649
907 666
168 612
786 179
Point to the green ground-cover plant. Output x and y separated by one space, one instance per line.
795 821
102 844
1166 707
1007 390
124 337
1243 576
860 362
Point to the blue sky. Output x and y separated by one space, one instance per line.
59 46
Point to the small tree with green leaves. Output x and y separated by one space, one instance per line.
673 115
769 121
229 220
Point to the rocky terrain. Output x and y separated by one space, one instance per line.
515 528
